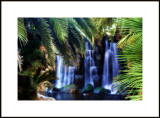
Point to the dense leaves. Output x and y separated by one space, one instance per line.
41 39
129 80
63 36
22 32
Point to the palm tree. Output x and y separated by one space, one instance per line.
63 35
130 78
55 36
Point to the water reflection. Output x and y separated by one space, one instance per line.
82 96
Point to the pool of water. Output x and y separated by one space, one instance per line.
81 96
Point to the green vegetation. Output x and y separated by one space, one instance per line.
41 39
102 91
89 88
63 36
130 77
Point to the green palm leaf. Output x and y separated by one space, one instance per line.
86 26
22 32
130 77
60 27
42 26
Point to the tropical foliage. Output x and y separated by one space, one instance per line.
22 32
129 80
104 25
63 36
41 39
39 77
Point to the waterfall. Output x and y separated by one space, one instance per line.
70 76
111 67
65 74
59 72
89 65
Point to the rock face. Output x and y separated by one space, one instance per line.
97 81
69 89
88 89
79 81
102 91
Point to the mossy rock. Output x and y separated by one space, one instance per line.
88 89
69 89
102 91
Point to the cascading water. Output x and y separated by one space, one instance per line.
70 75
89 65
65 74
59 72
111 67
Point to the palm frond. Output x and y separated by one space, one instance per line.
91 27
42 26
129 80
76 38
78 29
87 26
60 27
22 32
62 48
46 76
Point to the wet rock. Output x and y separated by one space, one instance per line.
97 80
88 89
102 91
69 89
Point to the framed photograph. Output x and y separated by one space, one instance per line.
80 58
